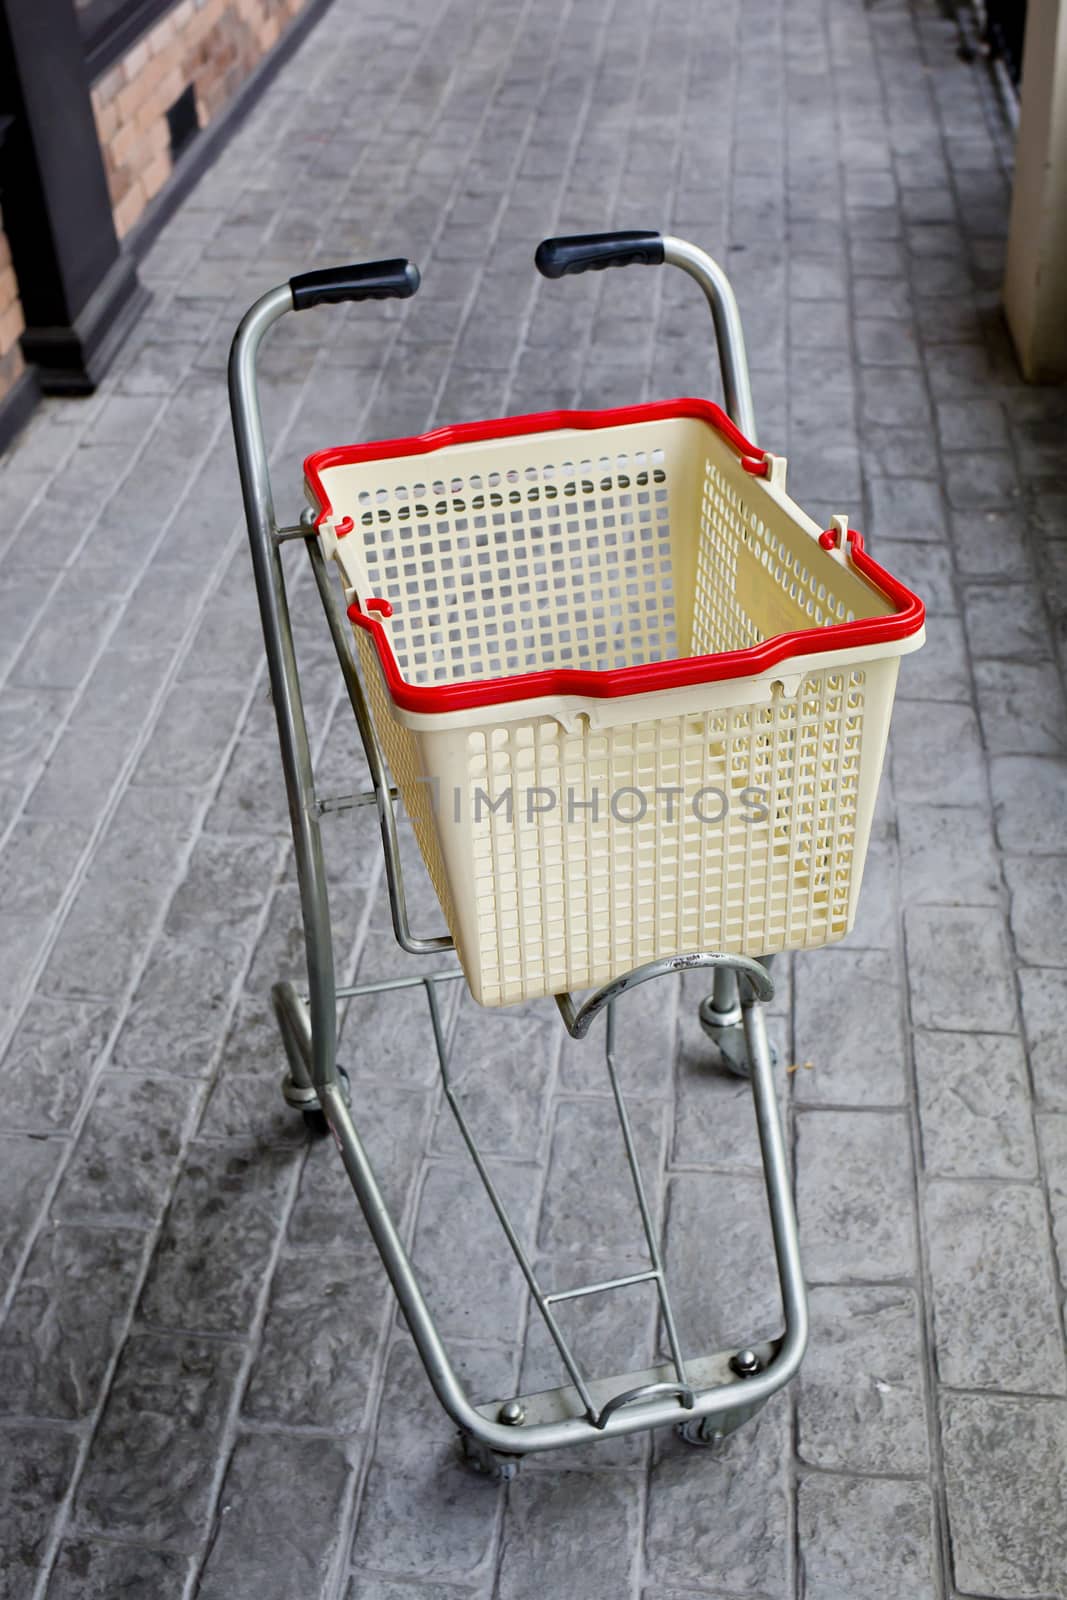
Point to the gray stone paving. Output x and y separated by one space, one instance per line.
205 1387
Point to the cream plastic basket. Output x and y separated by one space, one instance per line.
635 701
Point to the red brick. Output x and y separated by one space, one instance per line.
156 174
11 369
214 44
11 325
129 209
106 88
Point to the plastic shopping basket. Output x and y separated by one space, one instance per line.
635 701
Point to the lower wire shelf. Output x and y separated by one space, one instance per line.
705 1397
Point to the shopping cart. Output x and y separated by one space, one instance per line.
635 703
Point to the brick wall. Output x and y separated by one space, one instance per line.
214 44
11 323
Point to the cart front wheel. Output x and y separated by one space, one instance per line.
730 1041
491 1465
711 1433
706 1432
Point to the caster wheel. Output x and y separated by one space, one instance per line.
315 1120
715 1023
488 1464
702 1433
729 1040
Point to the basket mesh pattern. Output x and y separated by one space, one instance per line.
748 847
735 607
563 563
565 852
597 850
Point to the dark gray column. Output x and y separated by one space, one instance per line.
80 294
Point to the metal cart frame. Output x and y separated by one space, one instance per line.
707 1397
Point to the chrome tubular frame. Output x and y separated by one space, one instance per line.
736 385
710 1395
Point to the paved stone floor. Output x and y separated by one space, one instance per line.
205 1389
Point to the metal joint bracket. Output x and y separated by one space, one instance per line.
579 1019
350 802
645 1391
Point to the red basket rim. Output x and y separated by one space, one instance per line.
907 618
536 422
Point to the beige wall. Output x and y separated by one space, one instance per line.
1035 285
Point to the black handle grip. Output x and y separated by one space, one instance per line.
373 280
592 252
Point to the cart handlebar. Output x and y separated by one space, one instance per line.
592 252
557 258
372 280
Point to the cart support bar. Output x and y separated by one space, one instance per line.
736 385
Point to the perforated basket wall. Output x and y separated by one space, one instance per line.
568 838
512 570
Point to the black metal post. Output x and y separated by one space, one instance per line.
1005 31
80 293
